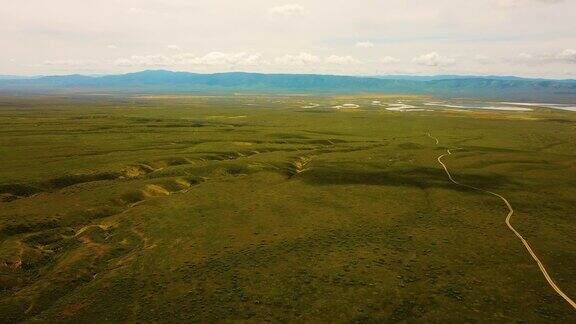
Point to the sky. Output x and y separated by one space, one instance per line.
531 38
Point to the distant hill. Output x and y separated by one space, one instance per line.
451 77
161 81
14 77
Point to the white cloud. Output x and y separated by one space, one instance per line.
434 59
173 47
567 55
111 46
365 44
288 10
298 59
389 60
528 59
188 59
525 57
341 60
482 59
402 29
69 63
219 58
144 60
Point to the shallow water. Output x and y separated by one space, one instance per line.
503 108
346 106
543 105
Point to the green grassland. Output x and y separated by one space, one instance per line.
252 208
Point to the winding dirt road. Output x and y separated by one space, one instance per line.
508 218
434 138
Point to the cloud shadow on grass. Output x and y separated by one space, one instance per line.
420 177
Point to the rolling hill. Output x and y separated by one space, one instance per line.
162 81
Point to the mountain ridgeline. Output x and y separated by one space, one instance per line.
160 81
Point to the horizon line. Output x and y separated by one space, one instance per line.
96 74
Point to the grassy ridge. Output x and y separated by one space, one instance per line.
254 208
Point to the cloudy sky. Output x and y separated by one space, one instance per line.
361 37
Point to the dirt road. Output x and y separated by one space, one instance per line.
508 223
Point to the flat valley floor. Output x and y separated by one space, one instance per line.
283 209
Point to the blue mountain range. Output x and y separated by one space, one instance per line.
162 81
